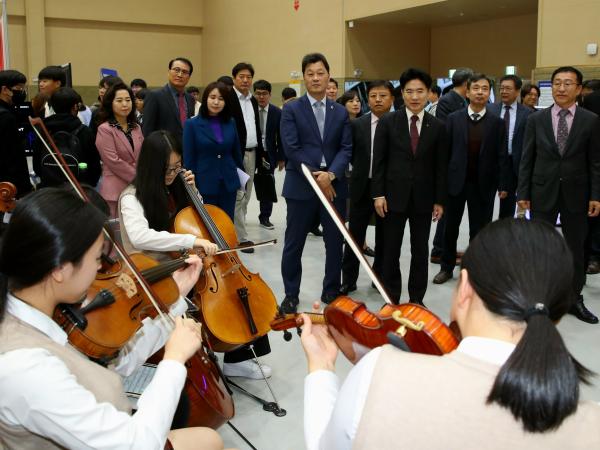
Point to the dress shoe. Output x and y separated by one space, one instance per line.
581 312
442 277
289 305
593 268
316 231
328 298
246 369
418 302
346 288
266 224
368 251
245 244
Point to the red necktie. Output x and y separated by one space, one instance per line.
182 108
414 133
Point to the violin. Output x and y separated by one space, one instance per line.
8 196
235 305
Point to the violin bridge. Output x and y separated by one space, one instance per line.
126 283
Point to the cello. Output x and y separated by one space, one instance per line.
8 194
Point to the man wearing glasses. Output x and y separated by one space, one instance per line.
169 107
560 171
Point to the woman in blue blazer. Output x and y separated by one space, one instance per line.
211 149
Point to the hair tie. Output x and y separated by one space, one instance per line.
538 308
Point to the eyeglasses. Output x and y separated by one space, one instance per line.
173 170
566 84
179 71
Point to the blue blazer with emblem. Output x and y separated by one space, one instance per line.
302 143
211 161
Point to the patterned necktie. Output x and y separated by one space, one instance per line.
507 119
562 131
475 117
414 133
182 108
320 116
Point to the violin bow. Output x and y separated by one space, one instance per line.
333 213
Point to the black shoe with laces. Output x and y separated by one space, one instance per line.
289 305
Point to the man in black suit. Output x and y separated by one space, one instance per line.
381 98
453 100
591 102
244 109
269 117
560 171
169 107
409 182
515 117
477 168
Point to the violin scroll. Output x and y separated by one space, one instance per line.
8 194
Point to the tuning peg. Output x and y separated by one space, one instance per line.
287 336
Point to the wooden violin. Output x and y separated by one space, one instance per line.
8 196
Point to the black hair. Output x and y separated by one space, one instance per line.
527 88
54 73
262 85
415 74
334 81
436 90
149 181
183 60
515 79
475 77
10 78
226 79
347 96
593 84
461 76
516 266
380 83
41 237
570 69
242 66
141 94
109 81
192 89
138 82
313 58
106 110
225 113
63 100
288 92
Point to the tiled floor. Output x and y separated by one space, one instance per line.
268 432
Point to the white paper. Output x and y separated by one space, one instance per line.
244 177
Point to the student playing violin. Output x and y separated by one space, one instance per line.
510 384
52 396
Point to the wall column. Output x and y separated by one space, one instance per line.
36 37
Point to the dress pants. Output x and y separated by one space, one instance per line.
243 196
438 238
592 244
393 233
480 207
508 204
223 199
299 221
359 217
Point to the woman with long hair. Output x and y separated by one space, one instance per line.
53 396
510 384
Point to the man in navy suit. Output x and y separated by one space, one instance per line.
269 117
514 116
314 131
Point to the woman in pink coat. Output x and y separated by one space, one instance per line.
119 140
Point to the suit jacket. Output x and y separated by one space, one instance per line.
399 174
209 160
523 113
302 143
448 103
493 170
361 156
162 113
591 102
119 160
544 174
238 115
274 148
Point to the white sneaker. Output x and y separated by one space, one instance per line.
246 369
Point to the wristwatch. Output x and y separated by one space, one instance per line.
331 176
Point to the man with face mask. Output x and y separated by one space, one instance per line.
13 165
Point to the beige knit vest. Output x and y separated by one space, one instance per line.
103 383
423 402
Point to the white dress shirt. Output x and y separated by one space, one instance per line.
374 122
263 131
39 392
420 116
332 415
471 112
513 120
249 119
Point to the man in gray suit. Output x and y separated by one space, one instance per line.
560 171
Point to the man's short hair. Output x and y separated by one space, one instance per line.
63 100
593 85
262 85
54 73
138 82
141 94
515 79
475 77
183 60
242 66
334 81
226 79
415 74
192 90
10 78
288 93
570 69
436 90
313 58
527 88
461 76
381 83
109 81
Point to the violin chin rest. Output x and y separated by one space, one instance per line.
397 341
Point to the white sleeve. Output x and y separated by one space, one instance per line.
331 418
39 393
143 237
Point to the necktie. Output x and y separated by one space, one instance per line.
507 119
320 116
562 131
182 107
414 133
475 117
262 120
